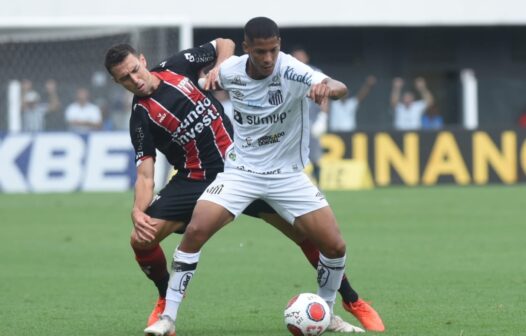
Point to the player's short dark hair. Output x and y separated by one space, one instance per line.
116 54
261 27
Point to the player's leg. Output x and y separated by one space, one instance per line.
313 225
311 252
218 205
331 265
171 211
207 219
261 209
152 261
297 199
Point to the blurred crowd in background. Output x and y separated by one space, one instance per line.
414 87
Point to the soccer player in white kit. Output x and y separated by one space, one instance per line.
269 91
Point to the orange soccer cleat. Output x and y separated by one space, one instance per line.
366 314
157 311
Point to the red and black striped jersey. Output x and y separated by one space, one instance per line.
180 120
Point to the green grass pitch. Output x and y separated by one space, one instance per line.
435 261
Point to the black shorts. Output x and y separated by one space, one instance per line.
176 201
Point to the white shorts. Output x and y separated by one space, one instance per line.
291 195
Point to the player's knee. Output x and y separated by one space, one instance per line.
335 250
137 244
197 234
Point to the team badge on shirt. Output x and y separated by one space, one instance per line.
275 97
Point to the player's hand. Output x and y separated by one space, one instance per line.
144 226
319 93
211 80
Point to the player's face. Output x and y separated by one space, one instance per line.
263 54
133 75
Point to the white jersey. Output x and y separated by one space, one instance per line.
409 117
271 115
342 117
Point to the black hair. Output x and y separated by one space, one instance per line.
116 54
261 27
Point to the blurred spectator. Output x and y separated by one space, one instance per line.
342 116
54 118
35 112
318 116
408 112
432 120
108 124
119 108
224 99
82 115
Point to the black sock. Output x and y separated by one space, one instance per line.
347 292
162 286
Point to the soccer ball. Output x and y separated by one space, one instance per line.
307 315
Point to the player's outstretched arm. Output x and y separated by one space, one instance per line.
224 49
143 196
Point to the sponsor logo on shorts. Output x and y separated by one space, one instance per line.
232 156
155 199
319 195
215 190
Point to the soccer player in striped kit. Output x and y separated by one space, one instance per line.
187 124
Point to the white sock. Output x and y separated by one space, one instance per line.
330 274
183 267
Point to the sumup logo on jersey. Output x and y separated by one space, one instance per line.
266 120
237 117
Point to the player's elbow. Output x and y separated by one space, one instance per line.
338 89
226 43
